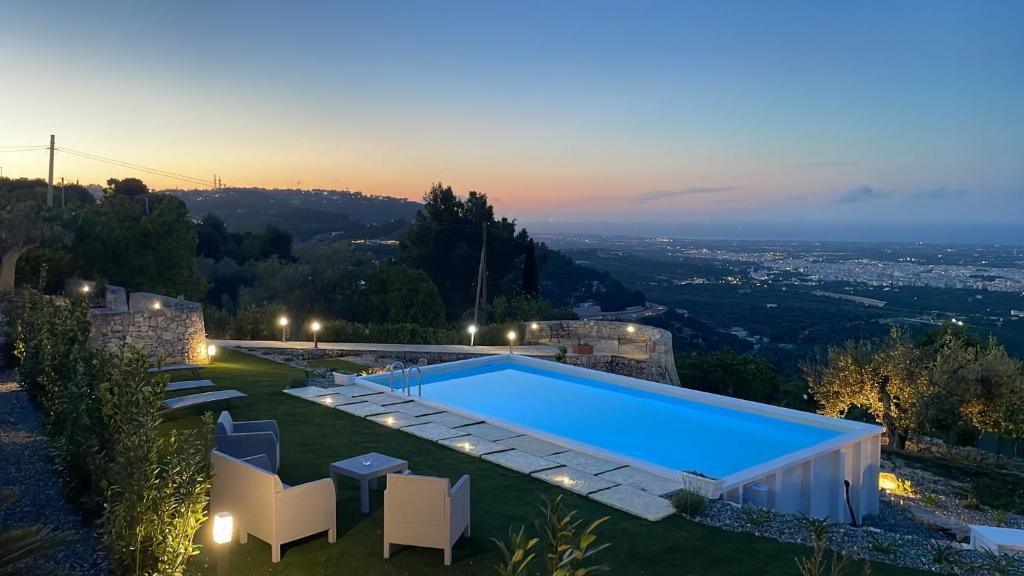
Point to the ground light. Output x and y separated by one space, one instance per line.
511 340
223 533
157 305
211 351
283 323
315 327
472 333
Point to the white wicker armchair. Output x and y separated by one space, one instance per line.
266 508
425 511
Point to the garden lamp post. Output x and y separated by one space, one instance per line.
315 327
472 333
511 340
211 351
283 323
223 533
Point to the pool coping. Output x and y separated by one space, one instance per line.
852 432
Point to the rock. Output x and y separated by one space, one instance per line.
932 519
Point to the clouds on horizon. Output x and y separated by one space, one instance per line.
654 195
862 194
869 194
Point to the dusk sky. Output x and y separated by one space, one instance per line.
559 111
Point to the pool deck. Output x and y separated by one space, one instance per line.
621 487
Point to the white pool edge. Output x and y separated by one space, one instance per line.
805 480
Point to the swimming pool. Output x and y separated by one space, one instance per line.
727 444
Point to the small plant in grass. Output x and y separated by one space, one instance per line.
884 545
569 546
690 503
516 553
820 564
756 516
946 556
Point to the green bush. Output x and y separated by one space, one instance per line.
569 546
690 502
102 411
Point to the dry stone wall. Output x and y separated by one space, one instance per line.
164 328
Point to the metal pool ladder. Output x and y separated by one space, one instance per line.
392 368
419 381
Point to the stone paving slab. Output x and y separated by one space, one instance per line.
450 420
386 399
489 431
334 400
635 502
308 391
364 409
358 391
584 462
394 419
473 445
641 480
532 445
433 431
573 480
414 409
520 461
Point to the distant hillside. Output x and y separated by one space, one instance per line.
306 213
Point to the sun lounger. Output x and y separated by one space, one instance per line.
201 398
188 385
192 368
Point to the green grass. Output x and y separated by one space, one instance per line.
338 364
313 436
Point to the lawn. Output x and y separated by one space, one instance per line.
313 436
338 364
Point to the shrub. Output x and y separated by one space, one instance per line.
690 503
569 545
157 487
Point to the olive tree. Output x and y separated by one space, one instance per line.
890 382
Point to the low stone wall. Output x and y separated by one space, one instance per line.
650 356
172 332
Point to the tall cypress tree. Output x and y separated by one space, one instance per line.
531 279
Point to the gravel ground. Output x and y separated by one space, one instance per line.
890 537
28 467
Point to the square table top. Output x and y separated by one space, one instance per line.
380 464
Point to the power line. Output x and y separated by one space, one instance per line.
134 166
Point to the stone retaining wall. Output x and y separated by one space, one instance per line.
172 331
651 358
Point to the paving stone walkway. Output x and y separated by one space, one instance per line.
621 487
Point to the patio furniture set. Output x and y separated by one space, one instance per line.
418 510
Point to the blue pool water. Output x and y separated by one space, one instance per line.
670 432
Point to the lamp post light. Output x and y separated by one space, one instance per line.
211 351
472 333
156 305
223 533
85 289
511 340
631 329
315 327
283 323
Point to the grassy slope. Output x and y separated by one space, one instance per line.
313 436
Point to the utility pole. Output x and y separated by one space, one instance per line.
63 201
49 181
480 315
